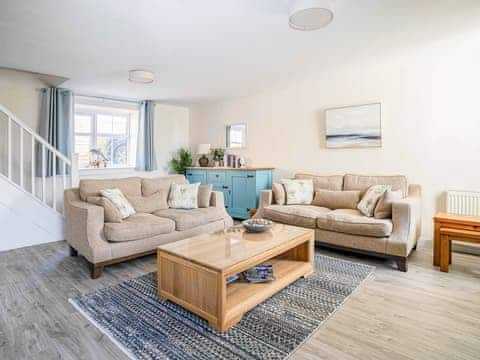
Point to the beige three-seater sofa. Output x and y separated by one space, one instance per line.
103 243
393 237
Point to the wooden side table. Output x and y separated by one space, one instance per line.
450 227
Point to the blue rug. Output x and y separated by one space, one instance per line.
146 328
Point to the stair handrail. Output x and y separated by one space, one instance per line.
72 163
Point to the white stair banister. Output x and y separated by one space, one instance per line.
64 163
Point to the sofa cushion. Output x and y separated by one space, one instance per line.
119 200
363 182
111 213
151 186
149 204
351 221
336 199
138 226
329 182
128 186
383 210
371 198
204 195
279 195
298 192
298 215
186 219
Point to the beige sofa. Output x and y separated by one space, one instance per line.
393 237
103 243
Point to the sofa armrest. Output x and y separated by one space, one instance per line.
406 218
266 199
218 201
84 230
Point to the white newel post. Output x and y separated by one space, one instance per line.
74 171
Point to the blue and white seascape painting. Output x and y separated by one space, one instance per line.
354 126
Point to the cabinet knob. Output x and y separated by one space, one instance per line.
224 187
217 175
250 176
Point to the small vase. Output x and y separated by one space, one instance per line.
216 163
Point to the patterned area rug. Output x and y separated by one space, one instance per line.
147 328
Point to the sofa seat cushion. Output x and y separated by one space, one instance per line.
187 219
138 226
349 221
298 215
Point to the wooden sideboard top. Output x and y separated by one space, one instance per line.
246 168
454 218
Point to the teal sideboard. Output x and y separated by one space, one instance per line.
241 187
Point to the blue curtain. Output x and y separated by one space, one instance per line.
56 126
146 160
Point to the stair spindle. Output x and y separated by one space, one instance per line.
44 169
9 147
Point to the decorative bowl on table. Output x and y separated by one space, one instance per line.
257 225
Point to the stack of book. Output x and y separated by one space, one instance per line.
232 278
259 274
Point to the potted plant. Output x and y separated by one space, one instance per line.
184 159
218 154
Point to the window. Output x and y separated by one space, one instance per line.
105 136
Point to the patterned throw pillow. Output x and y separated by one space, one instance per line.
183 196
367 205
119 200
298 191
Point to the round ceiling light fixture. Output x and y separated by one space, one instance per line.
308 15
141 76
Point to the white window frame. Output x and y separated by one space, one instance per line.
93 134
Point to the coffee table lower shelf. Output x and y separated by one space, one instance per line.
204 290
243 296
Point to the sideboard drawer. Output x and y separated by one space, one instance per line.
215 177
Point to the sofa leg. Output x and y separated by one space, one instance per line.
73 252
402 264
96 270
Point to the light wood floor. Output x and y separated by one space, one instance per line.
422 314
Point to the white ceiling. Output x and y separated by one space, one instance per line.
205 50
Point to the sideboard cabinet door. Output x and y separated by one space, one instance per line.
243 195
196 176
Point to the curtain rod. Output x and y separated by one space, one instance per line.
108 98
101 97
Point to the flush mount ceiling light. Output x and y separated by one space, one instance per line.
140 76
307 15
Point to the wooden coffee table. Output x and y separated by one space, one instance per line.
193 272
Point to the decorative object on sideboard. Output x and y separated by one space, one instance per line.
354 126
257 225
218 155
236 136
98 159
183 160
203 149
231 160
241 162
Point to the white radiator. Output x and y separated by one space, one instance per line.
463 202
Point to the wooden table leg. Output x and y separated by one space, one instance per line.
445 253
436 245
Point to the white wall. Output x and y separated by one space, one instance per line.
19 92
431 117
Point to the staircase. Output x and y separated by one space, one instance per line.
33 175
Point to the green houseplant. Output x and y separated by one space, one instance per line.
217 154
184 159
